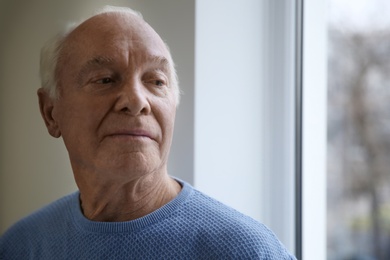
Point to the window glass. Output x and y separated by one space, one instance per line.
358 180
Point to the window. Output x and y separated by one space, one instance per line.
358 180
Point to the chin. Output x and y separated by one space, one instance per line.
134 166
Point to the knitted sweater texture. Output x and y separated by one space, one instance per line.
192 226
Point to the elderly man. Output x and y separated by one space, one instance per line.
109 88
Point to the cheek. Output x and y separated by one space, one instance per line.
79 121
168 121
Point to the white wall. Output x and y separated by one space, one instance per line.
228 105
244 108
34 167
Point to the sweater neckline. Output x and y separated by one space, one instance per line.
161 213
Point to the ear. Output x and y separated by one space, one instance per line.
46 106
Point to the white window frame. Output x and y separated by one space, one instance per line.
314 89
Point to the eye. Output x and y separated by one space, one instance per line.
156 82
106 80
159 83
155 79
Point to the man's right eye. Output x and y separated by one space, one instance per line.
106 80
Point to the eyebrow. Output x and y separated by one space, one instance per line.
160 61
155 61
95 62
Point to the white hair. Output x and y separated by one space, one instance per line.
51 51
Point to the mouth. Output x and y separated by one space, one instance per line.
132 135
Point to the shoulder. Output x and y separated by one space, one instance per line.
43 224
48 214
231 233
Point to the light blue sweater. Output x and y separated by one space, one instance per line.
192 226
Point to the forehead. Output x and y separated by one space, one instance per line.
112 35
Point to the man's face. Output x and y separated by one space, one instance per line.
116 108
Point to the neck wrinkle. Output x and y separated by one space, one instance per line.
117 203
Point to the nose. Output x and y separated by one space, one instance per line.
132 99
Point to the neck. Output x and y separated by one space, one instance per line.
114 202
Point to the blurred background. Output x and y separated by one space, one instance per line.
358 180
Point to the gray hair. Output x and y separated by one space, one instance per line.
50 54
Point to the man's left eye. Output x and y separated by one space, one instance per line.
159 83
